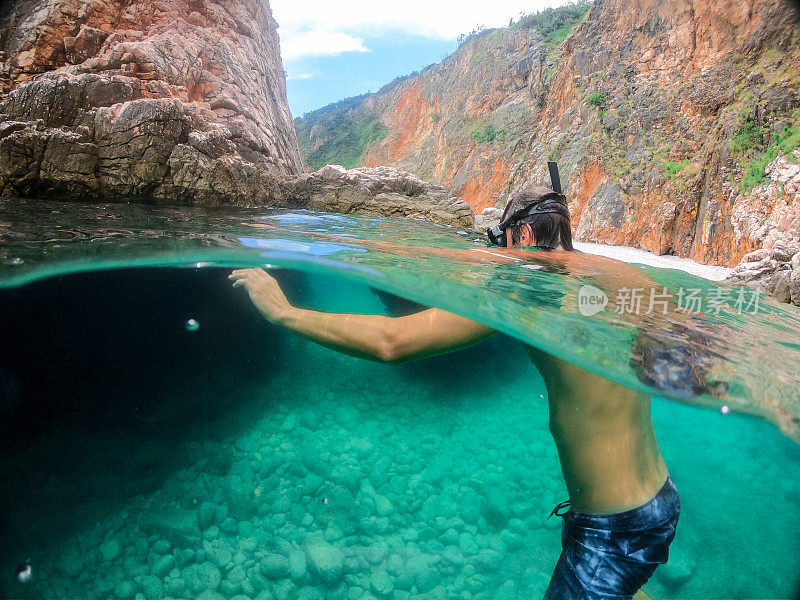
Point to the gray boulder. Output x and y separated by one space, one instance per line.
383 191
794 287
326 561
774 271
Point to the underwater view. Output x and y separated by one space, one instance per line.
162 439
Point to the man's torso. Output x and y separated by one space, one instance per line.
605 438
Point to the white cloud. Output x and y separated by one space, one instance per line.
319 43
318 27
301 76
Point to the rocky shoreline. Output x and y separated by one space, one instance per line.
776 272
383 191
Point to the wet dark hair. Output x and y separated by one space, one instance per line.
549 228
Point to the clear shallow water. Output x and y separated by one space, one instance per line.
146 458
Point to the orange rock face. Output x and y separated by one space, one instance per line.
591 178
482 193
413 111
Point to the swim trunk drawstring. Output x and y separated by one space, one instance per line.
558 507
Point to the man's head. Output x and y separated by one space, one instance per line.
535 216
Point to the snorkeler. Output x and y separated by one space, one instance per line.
623 507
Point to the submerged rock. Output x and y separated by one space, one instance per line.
178 527
678 570
290 423
163 565
326 561
125 590
381 583
111 550
275 566
507 591
151 587
206 515
298 567
211 595
218 555
205 576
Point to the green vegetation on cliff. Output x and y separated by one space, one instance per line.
747 137
338 134
555 24
673 168
597 99
755 171
487 133
759 147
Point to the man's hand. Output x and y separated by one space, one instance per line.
265 293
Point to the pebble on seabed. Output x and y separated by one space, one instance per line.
24 573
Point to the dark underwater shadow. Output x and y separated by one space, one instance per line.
105 392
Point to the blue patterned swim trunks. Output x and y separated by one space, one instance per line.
610 557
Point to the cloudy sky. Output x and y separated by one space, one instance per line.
333 50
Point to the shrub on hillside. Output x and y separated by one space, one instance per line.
555 24
597 99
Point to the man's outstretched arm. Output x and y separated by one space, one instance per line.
388 339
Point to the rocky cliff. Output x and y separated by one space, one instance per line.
667 118
182 100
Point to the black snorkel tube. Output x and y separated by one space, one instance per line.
555 180
497 234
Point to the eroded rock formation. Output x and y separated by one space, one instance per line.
659 112
182 100
775 272
379 191
771 216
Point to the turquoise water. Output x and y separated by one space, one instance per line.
237 459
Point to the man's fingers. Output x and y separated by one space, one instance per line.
251 274
239 273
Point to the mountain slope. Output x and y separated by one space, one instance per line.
665 117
